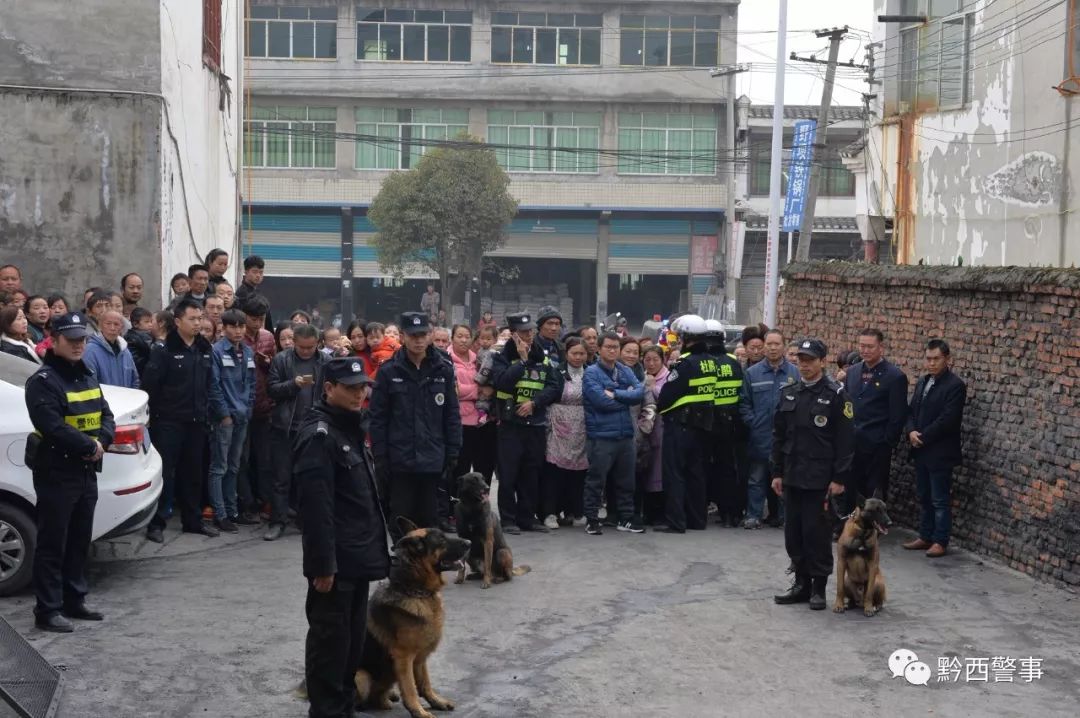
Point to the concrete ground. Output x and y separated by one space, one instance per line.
615 625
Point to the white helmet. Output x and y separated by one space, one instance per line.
692 325
713 327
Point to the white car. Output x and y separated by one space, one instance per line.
128 486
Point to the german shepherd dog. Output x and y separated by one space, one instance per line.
489 558
858 558
405 622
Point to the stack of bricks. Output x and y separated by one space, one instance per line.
1015 339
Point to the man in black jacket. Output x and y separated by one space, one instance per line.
294 376
415 424
933 429
344 535
74 426
526 385
178 378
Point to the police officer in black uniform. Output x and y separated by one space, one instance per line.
813 444
345 543
72 428
415 424
727 484
686 403
526 384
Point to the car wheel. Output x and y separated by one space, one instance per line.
18 537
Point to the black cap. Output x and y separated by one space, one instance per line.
72 325
813 347
548 312
344 370
519 321
414 323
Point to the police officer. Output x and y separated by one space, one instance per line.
345 543
415 425
687 402
727 484
813 443
526 384
72 428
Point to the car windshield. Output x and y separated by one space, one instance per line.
16 371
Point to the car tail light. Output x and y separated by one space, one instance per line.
133 489
128 440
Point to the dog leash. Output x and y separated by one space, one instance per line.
836 511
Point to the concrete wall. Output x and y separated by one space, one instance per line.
1013 337
989 183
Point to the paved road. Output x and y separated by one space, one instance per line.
616 625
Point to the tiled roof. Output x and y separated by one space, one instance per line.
821 224
808 112
853 149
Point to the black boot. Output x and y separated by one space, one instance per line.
798 593
817 593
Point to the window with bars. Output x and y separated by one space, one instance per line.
292 32
935 57
667 144
390 35
396 139
283 137
834 180
545 38
537 141
669 40
211 38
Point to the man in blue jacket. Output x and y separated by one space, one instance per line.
108 357
608 390
757 406
230 410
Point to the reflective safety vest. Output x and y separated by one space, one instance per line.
729 381
699 373
527 386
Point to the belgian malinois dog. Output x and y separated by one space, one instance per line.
405 622
858 558
489 558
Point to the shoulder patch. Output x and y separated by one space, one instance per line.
322 428
673 375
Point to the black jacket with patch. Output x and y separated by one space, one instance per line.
813 435
179 380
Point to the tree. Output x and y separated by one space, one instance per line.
444 214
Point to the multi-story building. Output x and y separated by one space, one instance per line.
971 153
119 139
603 112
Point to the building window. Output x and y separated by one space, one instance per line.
395 139
414 35
545 38
667 144
285 137
211 33
935 57
537 141
299 33
834 180
670 40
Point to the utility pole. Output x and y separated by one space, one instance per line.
730 285
776 207
806 230
347 307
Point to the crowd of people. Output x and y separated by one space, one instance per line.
582 427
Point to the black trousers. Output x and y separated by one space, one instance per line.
65 523
337 625
478 452
181 446
413 496
870 471
281 454
685 487
808 531
521 456
255 479
727 485
562 491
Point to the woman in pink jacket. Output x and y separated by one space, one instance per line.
478 430
650 494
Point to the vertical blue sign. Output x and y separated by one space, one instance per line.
802 152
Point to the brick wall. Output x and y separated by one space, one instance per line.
1015 338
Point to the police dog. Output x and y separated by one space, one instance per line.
405 622
490 558
858 558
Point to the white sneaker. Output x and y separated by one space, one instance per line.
551 522
602 513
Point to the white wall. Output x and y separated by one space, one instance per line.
200 144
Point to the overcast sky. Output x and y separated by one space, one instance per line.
802 82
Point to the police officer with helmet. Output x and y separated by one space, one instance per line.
73 427
813 445
687 402
345 544
727 485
